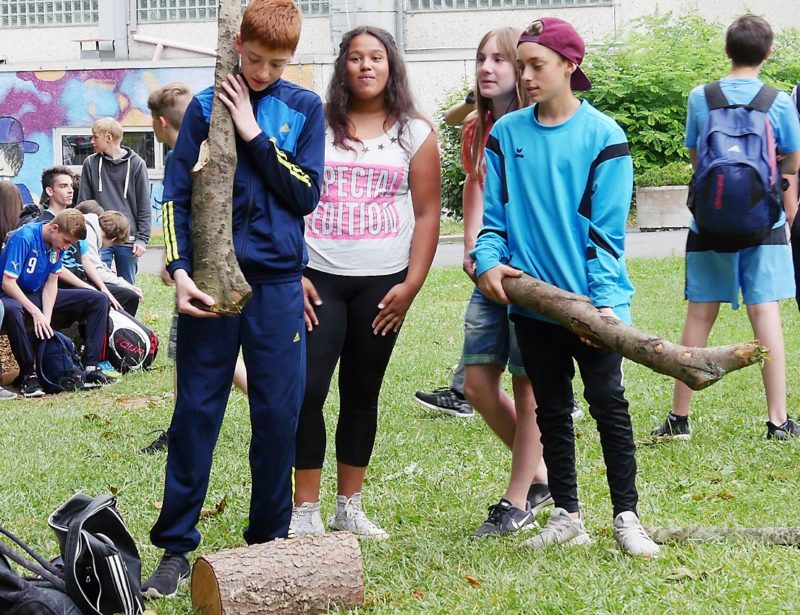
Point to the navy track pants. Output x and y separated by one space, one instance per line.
271 333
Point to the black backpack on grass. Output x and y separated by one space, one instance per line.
58 366
44 594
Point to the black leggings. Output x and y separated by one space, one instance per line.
344 334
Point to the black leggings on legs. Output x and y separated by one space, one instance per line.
344 335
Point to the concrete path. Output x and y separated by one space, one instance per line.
638 245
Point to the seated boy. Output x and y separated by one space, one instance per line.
105 229
31 263
763 272
280 143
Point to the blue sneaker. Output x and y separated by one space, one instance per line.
108 369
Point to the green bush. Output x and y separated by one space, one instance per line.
450 152
676 173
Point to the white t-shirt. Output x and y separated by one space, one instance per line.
364 221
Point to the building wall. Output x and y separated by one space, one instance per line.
44 101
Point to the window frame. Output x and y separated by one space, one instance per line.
22 9
500 5
159 149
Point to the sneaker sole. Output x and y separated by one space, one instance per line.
34 394
447 411
153 594
383 536
579 540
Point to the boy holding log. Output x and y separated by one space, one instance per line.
716 271
560 217
280 145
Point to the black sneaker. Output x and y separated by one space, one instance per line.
31 386
446 400
505 519
577 412
676 427
539 497
786 430
164 582
96 378
157 445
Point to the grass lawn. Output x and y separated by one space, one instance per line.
432 478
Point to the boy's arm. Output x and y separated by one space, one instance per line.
296 180
178 190
491 249
41 324
143 210
606 205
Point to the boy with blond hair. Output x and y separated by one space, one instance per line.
280 142
31 264
116 177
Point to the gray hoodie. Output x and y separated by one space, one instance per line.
120 185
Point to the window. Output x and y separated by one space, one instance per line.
449 5
25 13
76 146
204 10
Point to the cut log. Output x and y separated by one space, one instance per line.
789 536
697 367
304 575
8 364
215 268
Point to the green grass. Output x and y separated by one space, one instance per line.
431 478
451 227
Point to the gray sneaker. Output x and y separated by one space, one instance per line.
504 519
446 400
561 529
350 518
6 395
306 519
631 537
577 412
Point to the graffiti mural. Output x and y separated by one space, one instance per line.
33 105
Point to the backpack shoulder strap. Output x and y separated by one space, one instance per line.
715 97
764 99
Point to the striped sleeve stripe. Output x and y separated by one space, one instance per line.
170 239
618 150
294 170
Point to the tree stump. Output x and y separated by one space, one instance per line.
698 368
9 369
303 575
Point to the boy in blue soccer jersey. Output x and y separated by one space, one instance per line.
31 264
558 187
763 273
280 145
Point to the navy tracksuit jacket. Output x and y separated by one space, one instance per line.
277 182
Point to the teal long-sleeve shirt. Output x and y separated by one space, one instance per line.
556 202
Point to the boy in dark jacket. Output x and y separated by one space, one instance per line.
280 145
116 177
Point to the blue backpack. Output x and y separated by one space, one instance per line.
735 194
58 366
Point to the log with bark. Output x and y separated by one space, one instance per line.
215 268
789 536
305 575
697 367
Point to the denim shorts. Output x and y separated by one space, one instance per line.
489 337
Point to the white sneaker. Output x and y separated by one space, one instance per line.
561 529
306 520
350 518
631 537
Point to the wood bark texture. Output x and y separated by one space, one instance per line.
789 536
697 367
215 268
302 575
